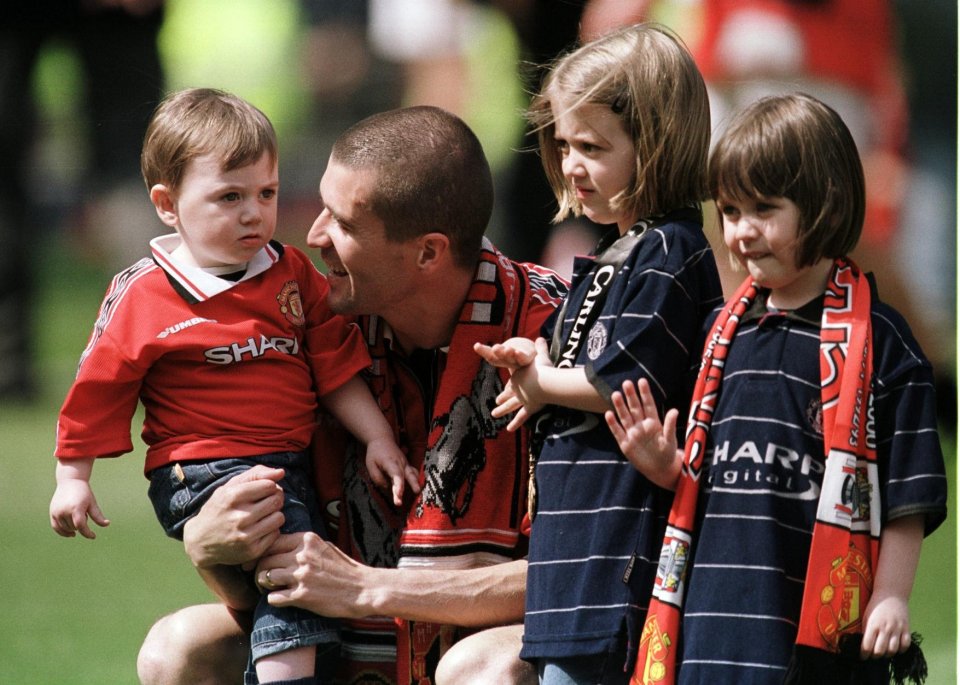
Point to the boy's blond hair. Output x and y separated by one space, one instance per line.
199 121
646 75
796 147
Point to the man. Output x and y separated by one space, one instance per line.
407 195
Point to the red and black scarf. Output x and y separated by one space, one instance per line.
845 544
473 472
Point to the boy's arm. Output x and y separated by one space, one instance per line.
648 444
354 406
73 500
887 616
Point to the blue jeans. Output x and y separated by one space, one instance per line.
179 490
596 669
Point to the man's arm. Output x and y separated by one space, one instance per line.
313 574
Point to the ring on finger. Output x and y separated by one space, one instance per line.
268 581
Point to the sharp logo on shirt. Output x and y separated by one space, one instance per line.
290 304
772 469
176 328
251 349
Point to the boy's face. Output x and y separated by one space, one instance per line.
597 157
763 235
224 217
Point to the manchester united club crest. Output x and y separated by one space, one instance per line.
596 341
657 643
814 414
850 582
290 305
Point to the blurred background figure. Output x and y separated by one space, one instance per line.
115 42
889 69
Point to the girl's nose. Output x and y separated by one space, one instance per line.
572 164
746 228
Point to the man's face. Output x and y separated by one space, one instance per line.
367 273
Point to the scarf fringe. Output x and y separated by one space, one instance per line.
812 666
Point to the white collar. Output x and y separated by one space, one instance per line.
196 282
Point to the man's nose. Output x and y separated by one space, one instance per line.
317 235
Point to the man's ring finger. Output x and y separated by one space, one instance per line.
268 581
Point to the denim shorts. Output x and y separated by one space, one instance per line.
588 670
179 490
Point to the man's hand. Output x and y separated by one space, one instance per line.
239 522
314 574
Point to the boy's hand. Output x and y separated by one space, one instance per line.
648 444
388 468
886 627
72 502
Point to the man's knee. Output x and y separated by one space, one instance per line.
194 645
160 655
491 656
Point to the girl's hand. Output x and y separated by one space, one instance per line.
648 444
511 354
886 627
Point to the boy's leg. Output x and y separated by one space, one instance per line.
198 645
292 664
490 656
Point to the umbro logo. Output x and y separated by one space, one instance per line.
176 328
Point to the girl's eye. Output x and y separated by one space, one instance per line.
231 197
765 207
268 194
728 210
563 146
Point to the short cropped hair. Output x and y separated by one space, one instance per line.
432 176
198 121
644 74
796 147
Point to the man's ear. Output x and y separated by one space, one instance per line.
162 198
434 250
